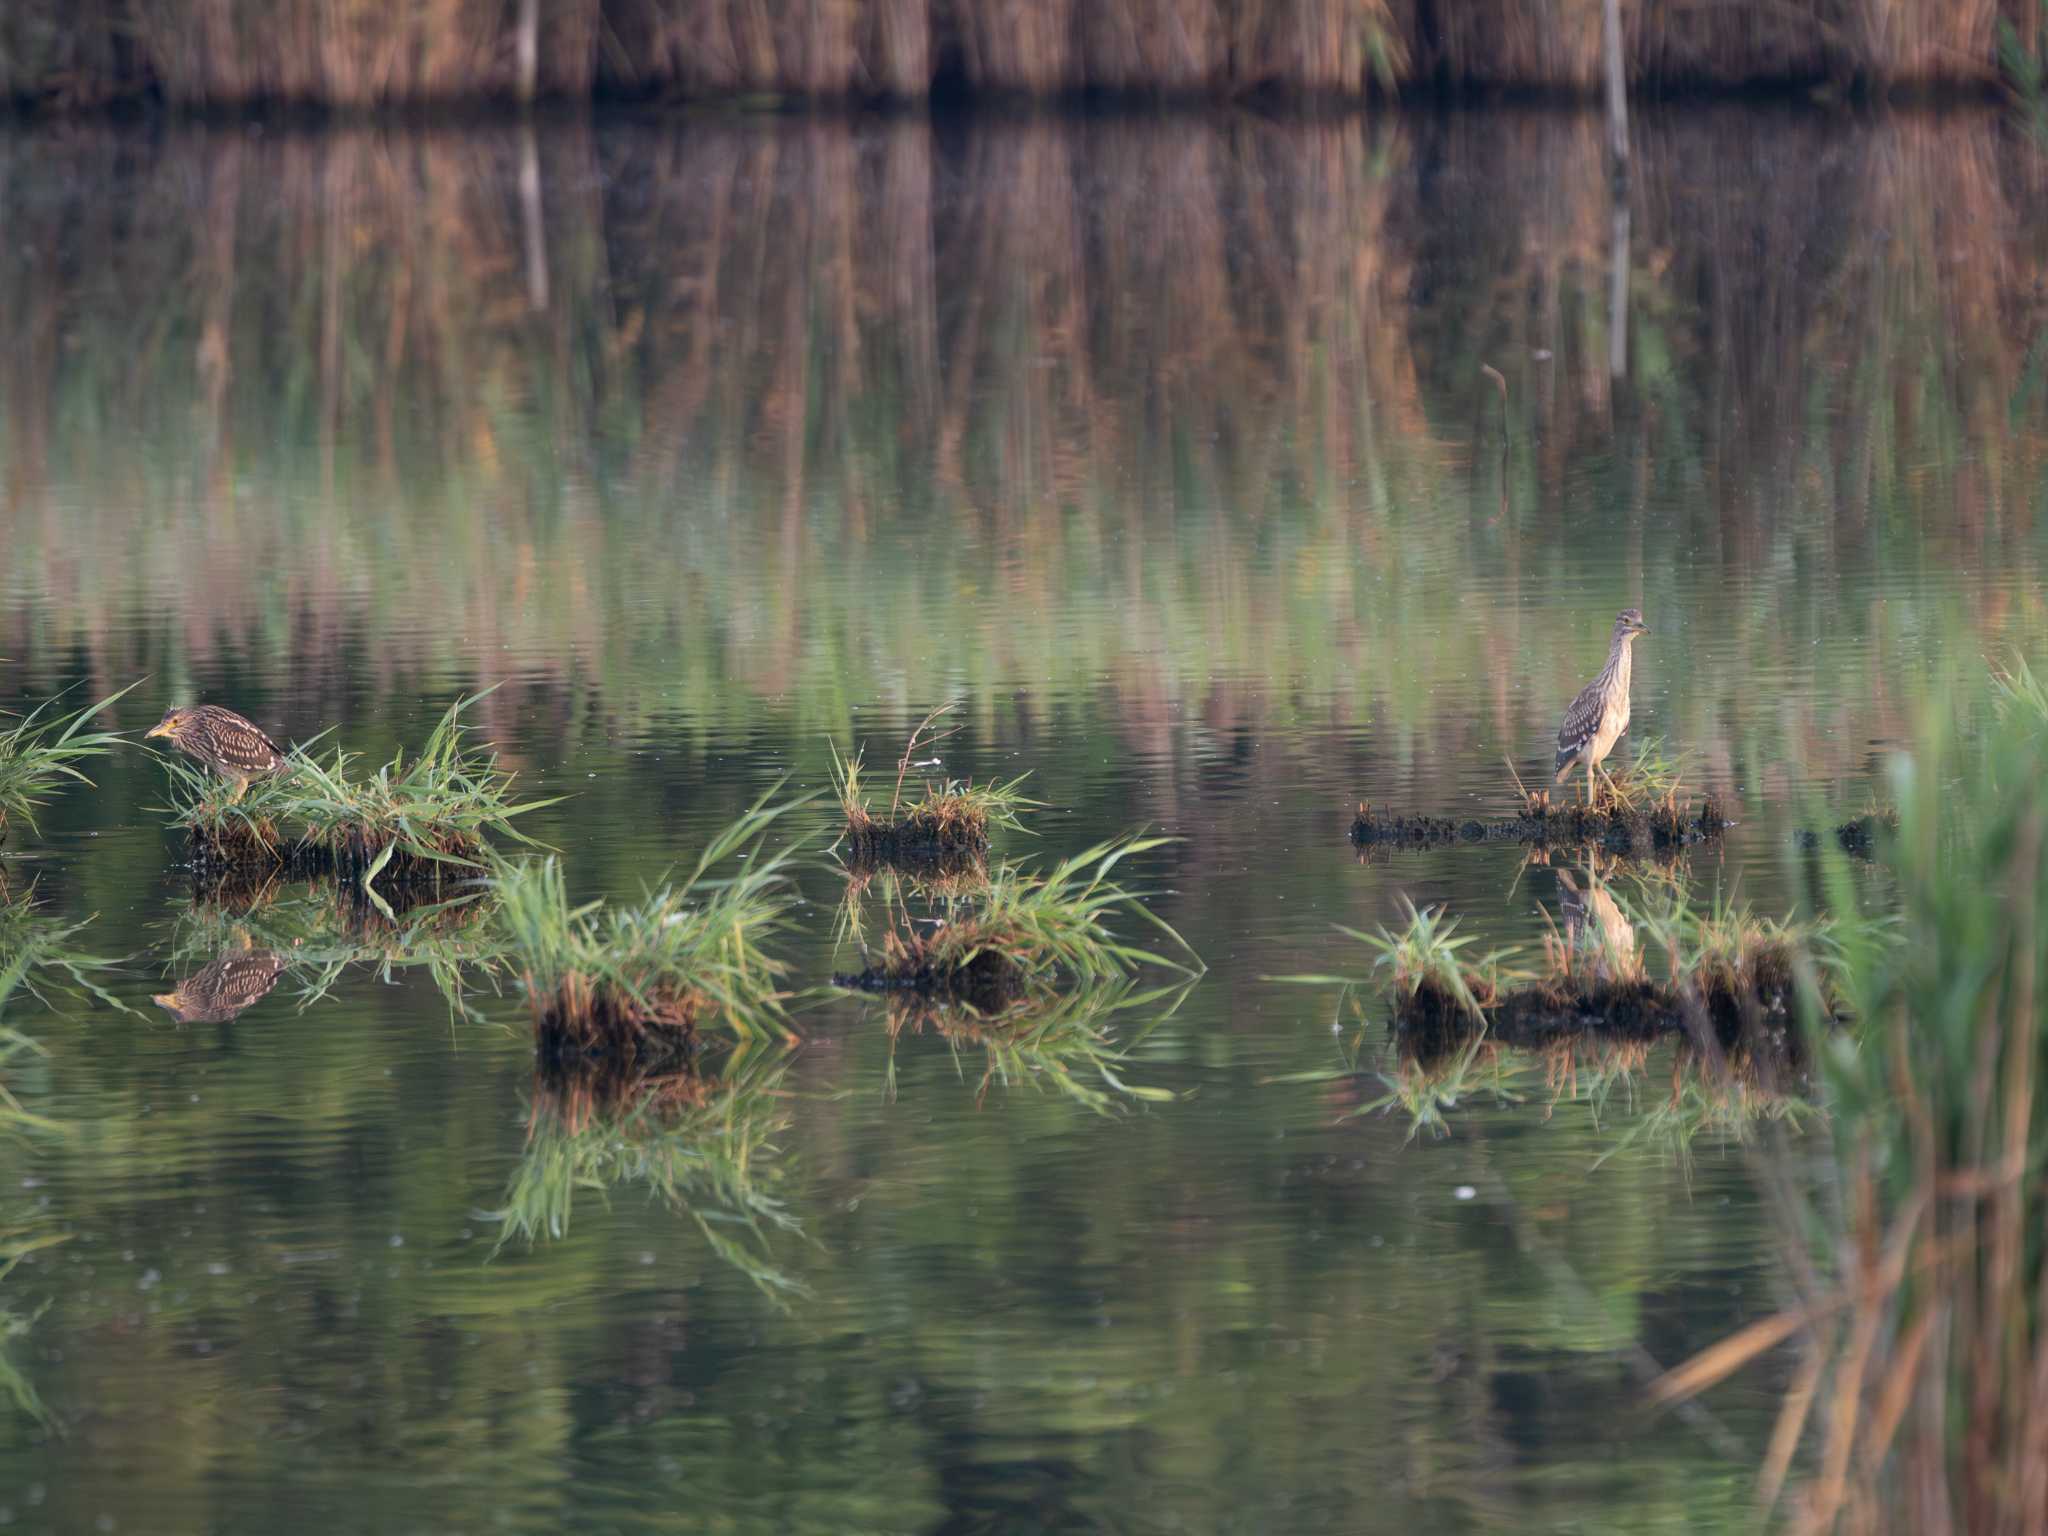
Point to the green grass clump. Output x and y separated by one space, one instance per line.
418 819
1023 933
40 754
947 818
699 1144
602 976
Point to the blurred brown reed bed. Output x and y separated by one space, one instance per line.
212 53
1071 343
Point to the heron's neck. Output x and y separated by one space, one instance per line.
1618 658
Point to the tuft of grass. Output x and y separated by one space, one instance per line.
418 819
40 755
1738 972
1651 780
603 976
1426 961
705 1146
1024 933
945 818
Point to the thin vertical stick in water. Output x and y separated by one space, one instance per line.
1617 93
1617 291
528 48
530 217
1500 383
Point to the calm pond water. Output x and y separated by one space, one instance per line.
1163 446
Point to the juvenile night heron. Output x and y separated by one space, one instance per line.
231 746
1599 715
223 987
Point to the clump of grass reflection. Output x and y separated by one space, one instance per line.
702 1144
609 976
39 956
24 1235
1067 1040
40 755
1922 1337
418 819
319 931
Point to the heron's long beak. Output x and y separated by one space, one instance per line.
161 728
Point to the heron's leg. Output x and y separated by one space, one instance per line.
241 788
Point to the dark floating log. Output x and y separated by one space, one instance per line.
1667 825
1860 836
918 841
988 983
1756 1005
251 850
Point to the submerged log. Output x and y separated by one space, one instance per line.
988 983
1616 829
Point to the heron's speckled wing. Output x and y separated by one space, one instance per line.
236 741
1581 721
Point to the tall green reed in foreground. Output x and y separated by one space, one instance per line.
1922 1314
685 954
40 754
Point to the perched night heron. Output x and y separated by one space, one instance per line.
1599 715
232 747
223 987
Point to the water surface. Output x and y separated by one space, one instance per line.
1162 446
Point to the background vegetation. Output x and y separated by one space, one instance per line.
367 53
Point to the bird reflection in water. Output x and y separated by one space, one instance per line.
1596 930
226 986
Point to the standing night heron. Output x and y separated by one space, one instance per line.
1599 715
231 746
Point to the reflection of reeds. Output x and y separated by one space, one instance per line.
701 1143
38 953
316 934
1011 414
1067 1041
